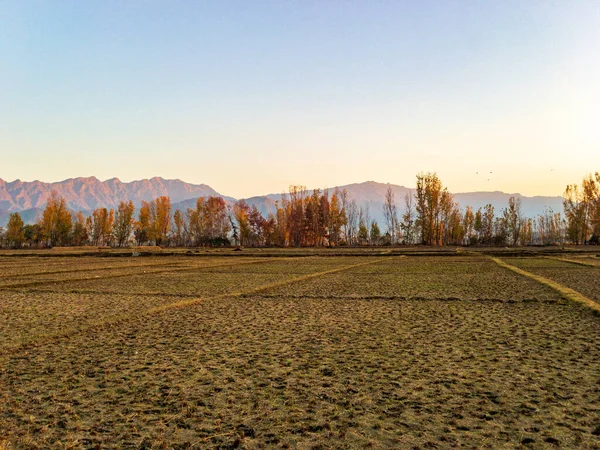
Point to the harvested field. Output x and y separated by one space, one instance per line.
425 277
336 352
582 278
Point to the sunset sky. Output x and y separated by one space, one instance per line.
252 96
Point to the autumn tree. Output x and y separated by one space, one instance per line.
487 224
141 228
582 210
56 221
14 234
430 198
527 226
595 209
102 226
500 233
469 225
296 217
160 219
258 227
281 230
178 228
550 228
80 232
241 211
316 218
337 219
123 224
452 231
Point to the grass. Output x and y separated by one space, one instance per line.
337 352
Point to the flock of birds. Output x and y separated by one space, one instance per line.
477 173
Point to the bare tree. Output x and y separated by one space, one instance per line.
390 213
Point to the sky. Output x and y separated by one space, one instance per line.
252 96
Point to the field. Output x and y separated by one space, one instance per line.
298 350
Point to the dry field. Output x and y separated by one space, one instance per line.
347 351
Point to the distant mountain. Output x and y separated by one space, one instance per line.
28 215
87 194
371 194
531 206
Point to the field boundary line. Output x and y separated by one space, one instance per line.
566 292
121 275
580 263
91 269
117 319
193 301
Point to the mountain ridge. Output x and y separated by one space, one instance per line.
88 193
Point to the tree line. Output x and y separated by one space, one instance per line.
315 218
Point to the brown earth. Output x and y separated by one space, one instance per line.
401 352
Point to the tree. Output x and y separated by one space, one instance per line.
56 221
141 228
33 234
408 219
80 233
582 210
375 233
15 235
160 219
257 227
364 221
487 224
469 225
179 228
241 211
431 198
513 217
478 225
390 212
352 215
296 216
337 219
123 225
102 221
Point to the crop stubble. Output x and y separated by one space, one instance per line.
338 360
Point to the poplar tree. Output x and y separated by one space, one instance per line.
15 235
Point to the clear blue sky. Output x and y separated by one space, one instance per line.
251 96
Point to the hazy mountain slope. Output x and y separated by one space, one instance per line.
90 193
531 206
28 215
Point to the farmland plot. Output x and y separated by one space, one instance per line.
312 353
582 278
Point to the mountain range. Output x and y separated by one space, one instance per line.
87 194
